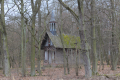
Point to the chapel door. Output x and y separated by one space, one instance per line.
46 55
51 57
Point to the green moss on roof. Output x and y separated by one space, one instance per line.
70 41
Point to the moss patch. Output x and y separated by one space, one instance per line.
117 75
69 41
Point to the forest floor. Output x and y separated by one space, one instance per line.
52 73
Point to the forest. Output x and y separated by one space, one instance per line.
24 25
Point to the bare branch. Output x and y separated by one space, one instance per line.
71 11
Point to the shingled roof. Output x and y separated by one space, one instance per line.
55 40
68 40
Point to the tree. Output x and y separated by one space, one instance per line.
23 41
80 20
93 34
35 8
1 56
23 37
4 37
114 54
61 37
40 35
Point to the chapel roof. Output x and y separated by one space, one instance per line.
68 40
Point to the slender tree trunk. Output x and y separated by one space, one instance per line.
33 48
39 40
6 57
82 34
35 8
5 46
114 54
76 61
68 69
61 37
93 33
20 56
23 41
1 59
39 45
119 46
39 59
1 46
67 57
64 52
101 49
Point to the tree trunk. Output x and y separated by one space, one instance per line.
33 48
86 58
39 40
5 46
23 41
39 59
119 46
82 34
114 54
6 56
76 62
67 57
93 33
35 8
39 44
101 49
1 59
61 37
80 20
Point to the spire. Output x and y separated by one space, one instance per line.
52 24
52 17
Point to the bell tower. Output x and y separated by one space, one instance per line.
52 24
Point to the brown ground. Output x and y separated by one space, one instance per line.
57 74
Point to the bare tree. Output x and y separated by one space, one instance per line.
61 37
1 56
35 8
114 54
80 19
4 37
93 34
23 40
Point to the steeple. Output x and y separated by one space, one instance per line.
52 24
52 17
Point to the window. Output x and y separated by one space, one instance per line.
52 26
